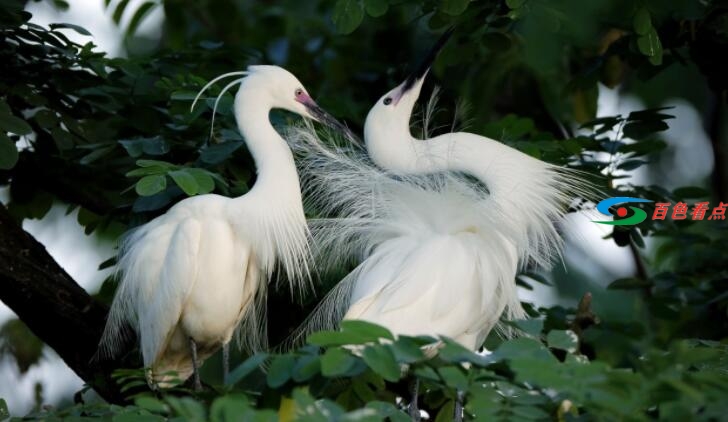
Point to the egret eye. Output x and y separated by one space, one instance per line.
387 101
298 92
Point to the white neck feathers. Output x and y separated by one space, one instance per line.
279 226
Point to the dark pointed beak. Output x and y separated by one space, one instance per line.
329 121
426 63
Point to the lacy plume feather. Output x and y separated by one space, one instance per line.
381 220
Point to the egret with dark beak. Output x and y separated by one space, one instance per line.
440 254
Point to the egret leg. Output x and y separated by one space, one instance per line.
150 380
195 368
225 362
414 410
458 416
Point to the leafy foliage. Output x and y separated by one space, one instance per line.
531 378
115 137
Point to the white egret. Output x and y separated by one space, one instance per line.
438 254
190 276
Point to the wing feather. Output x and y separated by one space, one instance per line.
176 279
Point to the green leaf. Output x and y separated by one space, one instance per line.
245 368
8 152
406 350
306 367
151 404
46 118
119 11
446 412
280 370
352 332
63 139
376 8
654 113
12 124
649 45
522 348
454 377
631 164
331 338
140 14
149 185
427 373
452 351
4 412
204 180
185 181
381 359
389 411
347 15
642 129
229 408
366 331
96 154
217 153
531 326
536 371
81 30
146 171
188 408
150 146
155 163
629 283
183 95
336 362
563 339
606 123
454 7
61 5
642 21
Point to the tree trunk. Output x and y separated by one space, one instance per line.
54 306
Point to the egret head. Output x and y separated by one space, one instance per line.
394 109
275 88
285 91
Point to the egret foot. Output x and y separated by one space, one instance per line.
149 376
225 362
414 410
195 368
458 414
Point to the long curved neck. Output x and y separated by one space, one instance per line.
277 176
502 169
279 225
527 195
391 145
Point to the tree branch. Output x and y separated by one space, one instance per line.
54 306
